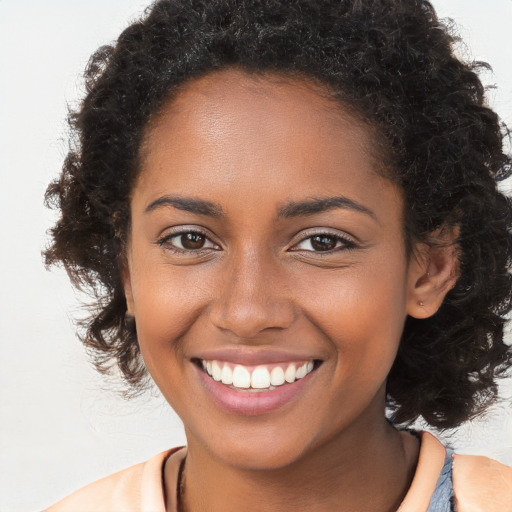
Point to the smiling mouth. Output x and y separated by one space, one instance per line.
256 378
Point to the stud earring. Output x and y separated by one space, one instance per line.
421 303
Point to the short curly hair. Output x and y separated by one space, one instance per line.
393 63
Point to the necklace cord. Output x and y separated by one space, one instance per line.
180 487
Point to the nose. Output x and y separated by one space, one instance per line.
252 298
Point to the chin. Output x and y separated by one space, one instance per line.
257 449
256 458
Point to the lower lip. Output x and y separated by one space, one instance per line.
252 403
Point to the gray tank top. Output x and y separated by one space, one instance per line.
442 499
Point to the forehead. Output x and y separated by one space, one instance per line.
234 86
232 131
230 105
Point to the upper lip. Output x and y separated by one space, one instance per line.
254 356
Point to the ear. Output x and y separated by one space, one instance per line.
127 286
433 272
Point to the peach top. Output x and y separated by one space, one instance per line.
480 484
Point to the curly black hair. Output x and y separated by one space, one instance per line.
393 63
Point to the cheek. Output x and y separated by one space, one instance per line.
167 302
362 310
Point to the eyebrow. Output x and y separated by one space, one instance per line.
187 204
291 209
319 205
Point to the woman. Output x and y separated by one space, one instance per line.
289 215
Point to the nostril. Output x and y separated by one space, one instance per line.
249 319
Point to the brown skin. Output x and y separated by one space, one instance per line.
251 145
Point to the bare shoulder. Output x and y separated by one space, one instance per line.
483 483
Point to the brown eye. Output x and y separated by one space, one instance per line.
192 240
323 242
187 241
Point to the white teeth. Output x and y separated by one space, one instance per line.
289 374
227 375
216 371
301 371
260 378
277 376
241 377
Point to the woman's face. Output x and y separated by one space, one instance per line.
265 246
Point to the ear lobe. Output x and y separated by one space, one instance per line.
127 286
433 272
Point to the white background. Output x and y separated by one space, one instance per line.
61 425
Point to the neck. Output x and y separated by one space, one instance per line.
362 469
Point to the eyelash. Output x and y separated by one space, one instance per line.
345 243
